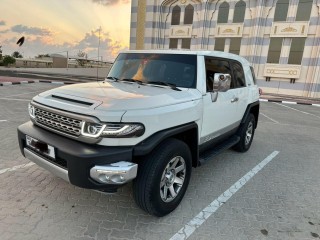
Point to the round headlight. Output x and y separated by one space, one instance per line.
93 130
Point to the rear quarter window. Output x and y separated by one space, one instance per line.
253 76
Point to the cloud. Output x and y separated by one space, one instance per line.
110 2
35 45
31 30
5 31
2 23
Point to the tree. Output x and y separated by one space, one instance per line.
42 55
8 60
16 54
82 58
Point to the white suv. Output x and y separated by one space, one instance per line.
150 121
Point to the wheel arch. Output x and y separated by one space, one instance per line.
188 133
253 108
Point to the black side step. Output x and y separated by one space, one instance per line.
209 154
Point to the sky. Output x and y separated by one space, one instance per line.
58 26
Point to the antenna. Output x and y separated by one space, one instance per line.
98 55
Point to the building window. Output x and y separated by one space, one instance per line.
219 44
173 44
239 12
296 50
235 46
176 12
304 10
188 15
186 43
223 13
274 50
281 10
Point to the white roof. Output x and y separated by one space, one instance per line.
192 52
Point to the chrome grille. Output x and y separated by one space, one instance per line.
58 122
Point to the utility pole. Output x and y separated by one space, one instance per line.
98 54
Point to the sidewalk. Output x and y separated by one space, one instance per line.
289 98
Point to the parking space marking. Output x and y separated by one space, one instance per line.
3 120
15 99
186 231
22 94
297 110
2 171
269 118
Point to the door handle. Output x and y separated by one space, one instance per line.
235 99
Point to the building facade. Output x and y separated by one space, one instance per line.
281 38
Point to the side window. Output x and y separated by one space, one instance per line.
213 66
238 79
253 76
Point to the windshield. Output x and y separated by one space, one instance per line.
177 69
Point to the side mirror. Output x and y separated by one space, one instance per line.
221 82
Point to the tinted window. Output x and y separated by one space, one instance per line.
253 76
296 50
188 15
239 12
186 43
235 45
304 10
238 76
219 44
173 44
179 69
223 13
175 20
215 66
281 11
274 50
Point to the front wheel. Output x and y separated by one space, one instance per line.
163 178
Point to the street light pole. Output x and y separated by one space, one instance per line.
98 54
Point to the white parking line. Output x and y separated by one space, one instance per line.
15 99
269 118
186 231
21 94
297 110
2 171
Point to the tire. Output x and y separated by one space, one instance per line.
246 133
155 170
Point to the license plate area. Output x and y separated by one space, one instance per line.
40 147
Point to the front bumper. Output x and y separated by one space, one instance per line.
84 165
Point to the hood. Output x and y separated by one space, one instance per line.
119 96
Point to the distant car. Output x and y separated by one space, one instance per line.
149 121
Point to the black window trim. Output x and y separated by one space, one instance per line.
231 69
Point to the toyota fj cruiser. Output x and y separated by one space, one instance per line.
154 117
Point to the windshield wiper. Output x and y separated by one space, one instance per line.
113 78
130 80
171 85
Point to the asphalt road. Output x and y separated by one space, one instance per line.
278 198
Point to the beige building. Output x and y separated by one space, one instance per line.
281 38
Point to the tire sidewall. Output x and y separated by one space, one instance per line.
166 207
243 134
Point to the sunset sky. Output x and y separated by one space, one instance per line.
54 26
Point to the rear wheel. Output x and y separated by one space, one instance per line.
246 133
163 178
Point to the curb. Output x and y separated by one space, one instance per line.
36 81
289 102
